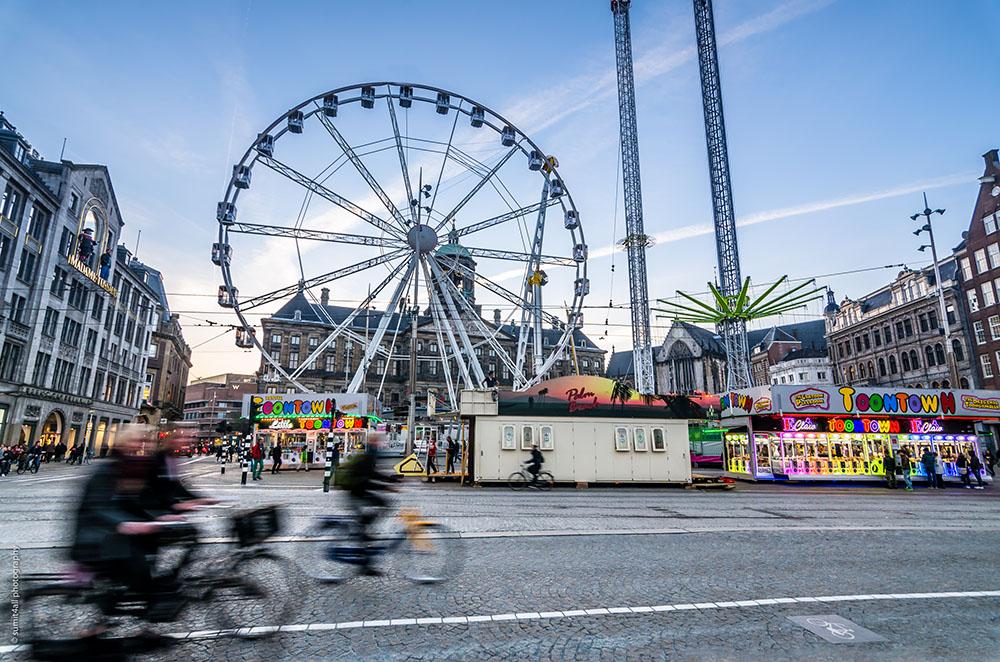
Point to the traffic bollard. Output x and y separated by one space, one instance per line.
329 463
246 459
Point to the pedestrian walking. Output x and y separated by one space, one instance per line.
927 460
938 471
256 460
431 456
889 466
976 469
218 454
962 464
450 454
903 463
276 458
988 461
60 452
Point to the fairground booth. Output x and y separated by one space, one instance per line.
840 433
588 429
302 422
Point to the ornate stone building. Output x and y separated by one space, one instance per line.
74 334
894 336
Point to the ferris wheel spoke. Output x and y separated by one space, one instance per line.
456 316
464 344
376 341
437 315
339 328
339 200
553 260
319 280
362 169
501 291
503 218
479 185
477 321
315 235
401 151
446 324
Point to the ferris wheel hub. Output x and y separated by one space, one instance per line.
422 238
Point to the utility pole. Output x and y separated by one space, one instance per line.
927 213
732 331
636 239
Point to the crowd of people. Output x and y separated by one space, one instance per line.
969 466
32 457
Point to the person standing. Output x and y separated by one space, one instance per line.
276 458
491 380
938 471
976 468
450 454
927 460
989 461
60 451
889 465
962 464
256 459
904 467
432 456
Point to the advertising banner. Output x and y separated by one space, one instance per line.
856 400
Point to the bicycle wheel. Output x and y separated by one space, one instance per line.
430 553
256 591
545 480
517 480
321 554
34 468
57 613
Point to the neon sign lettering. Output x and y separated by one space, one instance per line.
918 426
876 426
901 402
736 401
790 424
292 408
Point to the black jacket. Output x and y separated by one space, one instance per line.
536 457
103 506
163 491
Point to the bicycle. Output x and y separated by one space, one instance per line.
429 551
29 464
522 478
238 592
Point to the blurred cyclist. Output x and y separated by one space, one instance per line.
360 477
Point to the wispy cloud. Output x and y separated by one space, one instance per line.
707 227
539 111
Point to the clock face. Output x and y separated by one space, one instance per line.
995 192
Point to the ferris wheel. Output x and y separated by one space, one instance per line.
412 205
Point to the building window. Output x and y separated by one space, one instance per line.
791 379
821 375
294 340
893 366
922 320
899 330
966 269
38 223
993 252
6 250
434 347
857 344
929 356
26 270
908 327
153 349
868 343
939 354
878 337
41 368
988 299
973 301
888 334
987 366
313 342
10 355
293 360
979 333
990 222
881 368
861 370
981 265
956 345
906 361
330 361
914 359
50 322
18 305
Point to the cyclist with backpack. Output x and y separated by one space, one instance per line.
360 478
534 465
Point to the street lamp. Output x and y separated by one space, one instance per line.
927 213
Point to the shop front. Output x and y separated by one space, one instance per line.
831 433
301 424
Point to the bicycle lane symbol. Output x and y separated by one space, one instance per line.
836 629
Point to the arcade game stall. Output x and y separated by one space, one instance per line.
302 422
588 429
841 433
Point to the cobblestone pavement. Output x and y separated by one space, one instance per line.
701 557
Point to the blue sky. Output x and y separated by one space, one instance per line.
839 112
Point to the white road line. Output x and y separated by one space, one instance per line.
600 612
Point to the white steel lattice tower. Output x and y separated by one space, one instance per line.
636 239
733 331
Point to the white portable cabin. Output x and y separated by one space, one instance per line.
589 430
